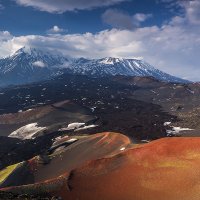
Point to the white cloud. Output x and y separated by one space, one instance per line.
174 47
193 11
141 17
189 8
60 6
119 19
39 64
56 30
5 36
170 48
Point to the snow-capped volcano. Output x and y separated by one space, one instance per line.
119 66
31 65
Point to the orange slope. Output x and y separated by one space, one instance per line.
165 169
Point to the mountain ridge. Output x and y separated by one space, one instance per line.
32 65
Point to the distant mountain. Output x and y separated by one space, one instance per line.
29 65
32 65
118 66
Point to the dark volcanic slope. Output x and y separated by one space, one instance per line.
108 101
53 117
50 116
181 100
137 107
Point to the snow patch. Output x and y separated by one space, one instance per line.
72 140
190 91
28 131
122 149
145 141
60 138
77 127
72 126
167 123
177 130
86 127
39 64
107 61
136 64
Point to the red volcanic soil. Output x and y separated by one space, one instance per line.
165 169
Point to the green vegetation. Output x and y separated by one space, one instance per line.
7 171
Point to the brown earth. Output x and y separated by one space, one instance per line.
160 170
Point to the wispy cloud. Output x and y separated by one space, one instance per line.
60 6
193 11
189 9
1 7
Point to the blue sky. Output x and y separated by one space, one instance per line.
165 33
21 20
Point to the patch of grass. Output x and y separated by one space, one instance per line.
7 171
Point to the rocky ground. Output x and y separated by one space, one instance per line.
9 196
143 109
110 102
109 166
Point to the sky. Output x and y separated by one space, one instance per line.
165 33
